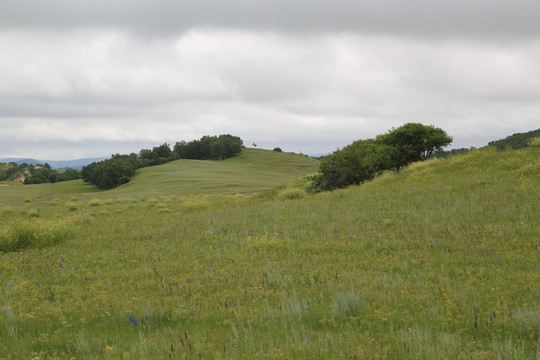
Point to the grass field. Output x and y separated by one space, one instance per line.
193 260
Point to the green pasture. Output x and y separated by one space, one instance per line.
234 260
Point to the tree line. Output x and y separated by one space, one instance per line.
362 160
117 170
37 174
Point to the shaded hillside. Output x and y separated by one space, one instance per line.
516 141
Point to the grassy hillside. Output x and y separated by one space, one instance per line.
253 171
439 261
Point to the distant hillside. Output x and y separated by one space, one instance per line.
253 170
75 164
515 141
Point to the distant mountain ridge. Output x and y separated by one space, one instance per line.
75 164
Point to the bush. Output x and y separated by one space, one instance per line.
535 142
291 194
364 159
95 202
108 174
71 206
277 149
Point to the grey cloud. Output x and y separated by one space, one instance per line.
478 18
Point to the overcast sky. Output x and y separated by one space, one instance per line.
83 78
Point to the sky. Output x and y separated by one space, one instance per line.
83 78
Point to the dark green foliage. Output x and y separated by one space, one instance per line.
364 159
37 174
352 165
158 155
515 141
278 149
448 153
119 169
67 175
209 147
108 174
12 170
414 142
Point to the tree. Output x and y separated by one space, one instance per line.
108 174
414 142
364 159
352 165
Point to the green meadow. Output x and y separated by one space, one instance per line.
234 259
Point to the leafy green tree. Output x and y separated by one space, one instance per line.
364 159
353 165
161 154
108 174
210 147
414 142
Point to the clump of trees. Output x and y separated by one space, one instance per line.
210 147
364 159
37 174
119 169
110 173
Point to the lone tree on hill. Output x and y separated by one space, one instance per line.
364 159
414 142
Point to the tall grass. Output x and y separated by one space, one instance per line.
24 234
439 261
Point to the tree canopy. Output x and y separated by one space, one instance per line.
363 159
116 171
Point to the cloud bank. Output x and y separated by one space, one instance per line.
90 79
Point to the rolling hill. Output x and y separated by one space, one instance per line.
438 261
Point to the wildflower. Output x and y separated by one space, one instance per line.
109 348
132 320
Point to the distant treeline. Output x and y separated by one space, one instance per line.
37 174
117 170
514 142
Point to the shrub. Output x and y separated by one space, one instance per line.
277 149
291 194
95 202
535 142
71 206
364 159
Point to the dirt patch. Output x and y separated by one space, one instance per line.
4 184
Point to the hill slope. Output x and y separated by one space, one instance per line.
254 170
439 261
515 141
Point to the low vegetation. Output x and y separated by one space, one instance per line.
437 261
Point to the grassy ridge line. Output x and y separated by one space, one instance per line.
254 170
439 261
